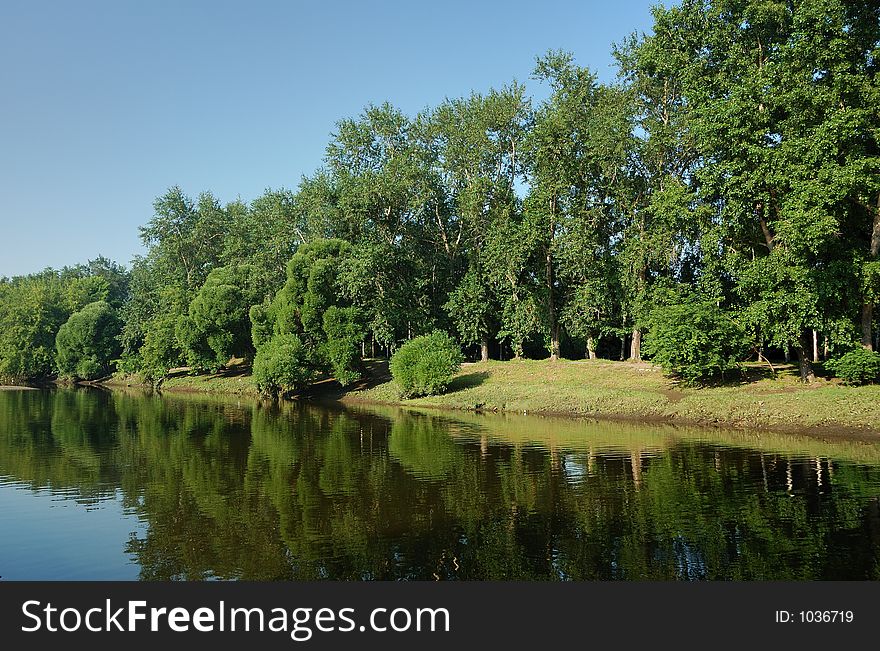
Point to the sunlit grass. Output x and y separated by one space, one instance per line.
602 387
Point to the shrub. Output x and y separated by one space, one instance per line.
425 365
161 350
344 335
86 343
695 340
281 366
859 366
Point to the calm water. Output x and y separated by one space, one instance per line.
98 485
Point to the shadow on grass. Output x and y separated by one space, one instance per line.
753 372
467 381
375 372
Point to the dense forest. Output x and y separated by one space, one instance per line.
719 201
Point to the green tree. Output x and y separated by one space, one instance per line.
87 343
579 149
471 307
282 366
218 318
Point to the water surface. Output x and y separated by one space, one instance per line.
101 485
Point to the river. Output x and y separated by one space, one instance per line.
97 484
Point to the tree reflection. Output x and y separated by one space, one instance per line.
302 492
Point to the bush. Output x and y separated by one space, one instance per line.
425 365
86 342
281 366
695 340
859 366
161 350
342 325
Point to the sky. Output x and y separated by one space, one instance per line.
105 105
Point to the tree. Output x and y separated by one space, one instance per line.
33 308
470 306
218 324
478 147
662 218
578 148
344 333
87 343
185 240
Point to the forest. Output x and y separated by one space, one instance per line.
717 202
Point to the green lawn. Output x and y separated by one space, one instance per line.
604 388
624 389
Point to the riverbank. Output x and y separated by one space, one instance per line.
602 388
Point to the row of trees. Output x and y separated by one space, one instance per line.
730 177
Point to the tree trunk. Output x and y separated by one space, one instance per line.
868 305
591 348
815 346
867 321
622 348
806 367
635 349
551 310
484 350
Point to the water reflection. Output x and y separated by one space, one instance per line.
253 491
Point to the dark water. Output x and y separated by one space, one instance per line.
97 485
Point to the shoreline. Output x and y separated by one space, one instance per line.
830 430
597 389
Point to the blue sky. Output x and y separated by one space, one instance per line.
104 105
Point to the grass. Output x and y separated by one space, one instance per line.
640 390
599 388
236 382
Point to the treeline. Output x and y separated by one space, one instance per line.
720 199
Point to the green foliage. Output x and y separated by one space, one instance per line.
261 324
694 340
219 317
737 156
33 308
311 287
161 350
471 307
281 366
344 332
859 366
87 342
425 365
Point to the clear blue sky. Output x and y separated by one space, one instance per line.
104 105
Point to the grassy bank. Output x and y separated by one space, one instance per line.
600 388
237 383
630 390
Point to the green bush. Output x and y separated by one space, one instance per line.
859 366
86 343
342 325
695 340
161 350
281 366
425 365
